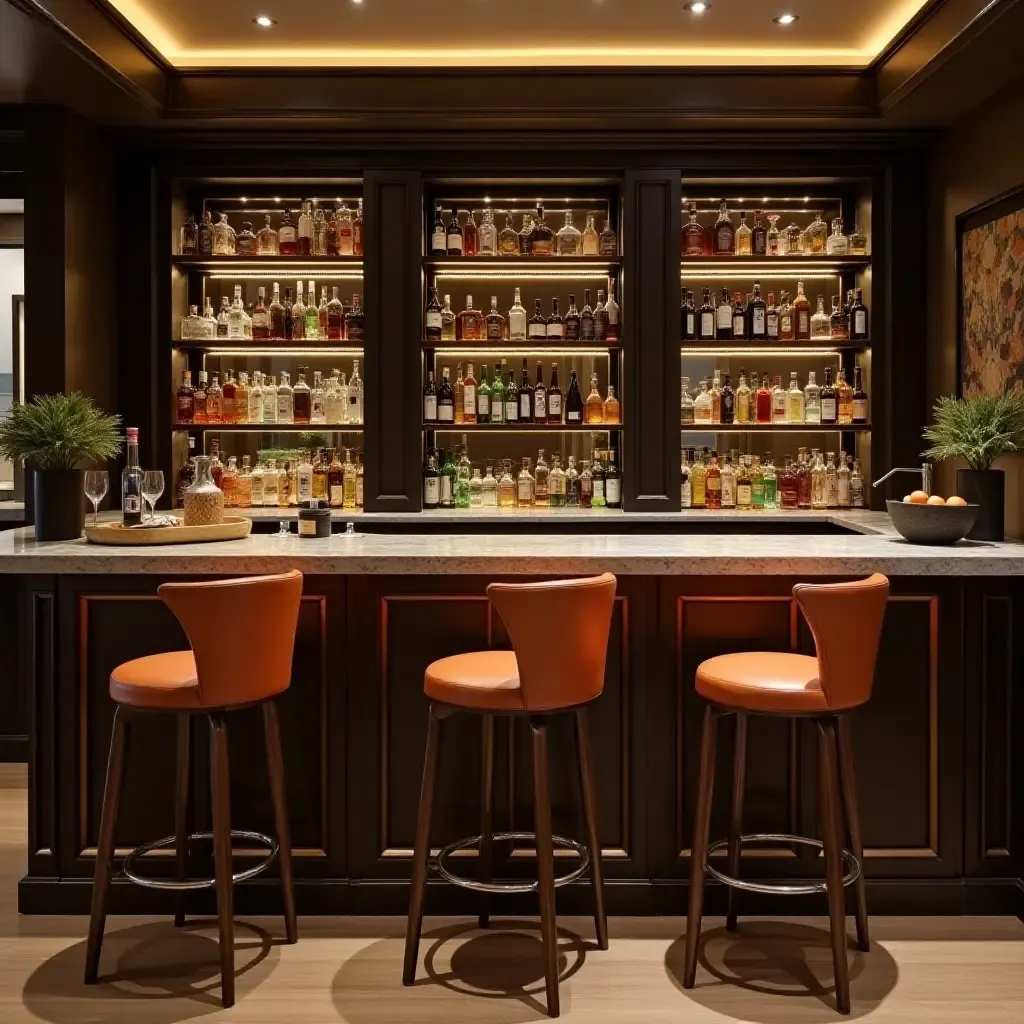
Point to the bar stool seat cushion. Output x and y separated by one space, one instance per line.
480 680
763 681
158 681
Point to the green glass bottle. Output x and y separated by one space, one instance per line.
483 398
497 396
463 473
448 475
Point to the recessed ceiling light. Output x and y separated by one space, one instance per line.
264 21
277 199
786 19
696 7
242 199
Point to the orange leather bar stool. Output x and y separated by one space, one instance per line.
846 622
536 680
210 679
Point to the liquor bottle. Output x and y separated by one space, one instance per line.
214 401
488 234
771 319
336 399
554 397
756 484
555 324
131 482
286 321
836 244
186 473
780 402
815 236
507 488
743 400
348 481
611 308
432 317
763 402
470 237
739 317
302 402
608 243
785 486
354 321
319 232
839 321
489 489
260 318
594 412
355 395
843 482
728 402
537 328
802 314
829 400
541 240
723 317
820 326
791 241
591 241
526 397
844 398
346 231
687 413
228 412
269 393
284 399
831 482
540 402
430 399
713 486
688 317
317 400
744 243
541 490
587 325
787 319
188 237
525 485
304 230
859 317
693 235
200 400
812 400
483 397
517 320
511 397
495 322
438 235
312 325
572 484
245 244
508 239
773 237
600 318
702 404
287 243
573 401
445 399
728 483
497 411
304 479
447 320
298 314
556 483
698 481
771 485
860 398
242 398
331 245
223 237
476 489
266 239
335 479
569 240
819 482
320 485
186 399
685 487
586 485
469 396
856 486
612 482
453 239
229 483
759 315
724 234
803 480
758 236
572 320
794 401
706 323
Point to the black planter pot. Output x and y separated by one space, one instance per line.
59 503
987 488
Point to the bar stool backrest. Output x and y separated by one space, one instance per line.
242 633
846 623
559 633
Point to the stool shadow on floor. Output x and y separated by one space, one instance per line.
762 971
169 974
462 969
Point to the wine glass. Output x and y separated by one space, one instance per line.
152 488
96 483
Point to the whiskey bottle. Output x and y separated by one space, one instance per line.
686 410
541 490
227 402
771 319
723 317
554 397
556 484
860 398
223 237
859 317
688 317
131 482
773 235
335 480
540 398
555 324
787 319
713 485
744 244
706 328
600 318
186 399
348 481
698 480
716 398
245 244
508 239
498 394
829 400
820 326
758 236
794 401
266 239
483 397
454 236
469 396
586 485
743 400
573 401
836 244
302 401
857 242
595 404
739 317
346 231
611 406
304 232
260 318
321 489
317 400
188 237
335 317
445 400
354 321
476 489
287 316
511 397
525 398
802 314
591 241
608 244
214 401
541 239
447 320
693 235
724 234
432 317
685 487
438 235
759 316
569 240
488 234
489 489
525 485
269 390
815 236
319 232
470 237
702 410
587 325
298 314
728 483
572 484
728 402
200 400
495 322
284 399
331 235
844 398
812 400
517 320
507 489
612 309
843 482
286 237
572 320
538 325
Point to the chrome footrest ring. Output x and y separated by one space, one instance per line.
853 868
130 872
499 887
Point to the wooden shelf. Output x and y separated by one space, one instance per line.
772 428
583 266
511 428
269 428
769 348
789 265
523 347
279 345
266 262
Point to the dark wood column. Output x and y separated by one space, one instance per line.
651 228
394 291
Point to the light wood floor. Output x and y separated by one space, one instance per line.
920 971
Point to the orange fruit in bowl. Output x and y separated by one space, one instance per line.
919 498
936 499
956 500
907 499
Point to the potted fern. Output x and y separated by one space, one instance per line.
53 435
978 429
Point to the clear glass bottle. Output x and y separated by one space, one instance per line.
724 233
319 232
843 482
590 242
348 481
756 484
525 485
687 413
266 239
742 403
517 320
284 399
508 238
844 398
447 320
831 482
727 477
608 241
188 237
542 474
812 400
773 239
556 484
489 490
792 241
223 236
837 243
815 236
771 488
702 404
245 243
744 240
312 325
508 487
821 329
819 482
794 401
463 474
355 395
192 326
611 406
569 240
541 241
470 236
572 484
857 242
346 240
839 321
801 314
488 234
476 489
693 235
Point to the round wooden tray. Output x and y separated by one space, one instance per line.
232 528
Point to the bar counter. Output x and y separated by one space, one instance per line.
939 769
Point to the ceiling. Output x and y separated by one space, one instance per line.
487 33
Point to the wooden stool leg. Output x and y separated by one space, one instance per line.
585 760
832 837
486 818
279 796
105 848
699 849
739 778
848 777
421 852
545 861
182 826
220 784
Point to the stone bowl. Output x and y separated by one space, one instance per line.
932 524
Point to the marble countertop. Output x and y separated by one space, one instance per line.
12 511
875 547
